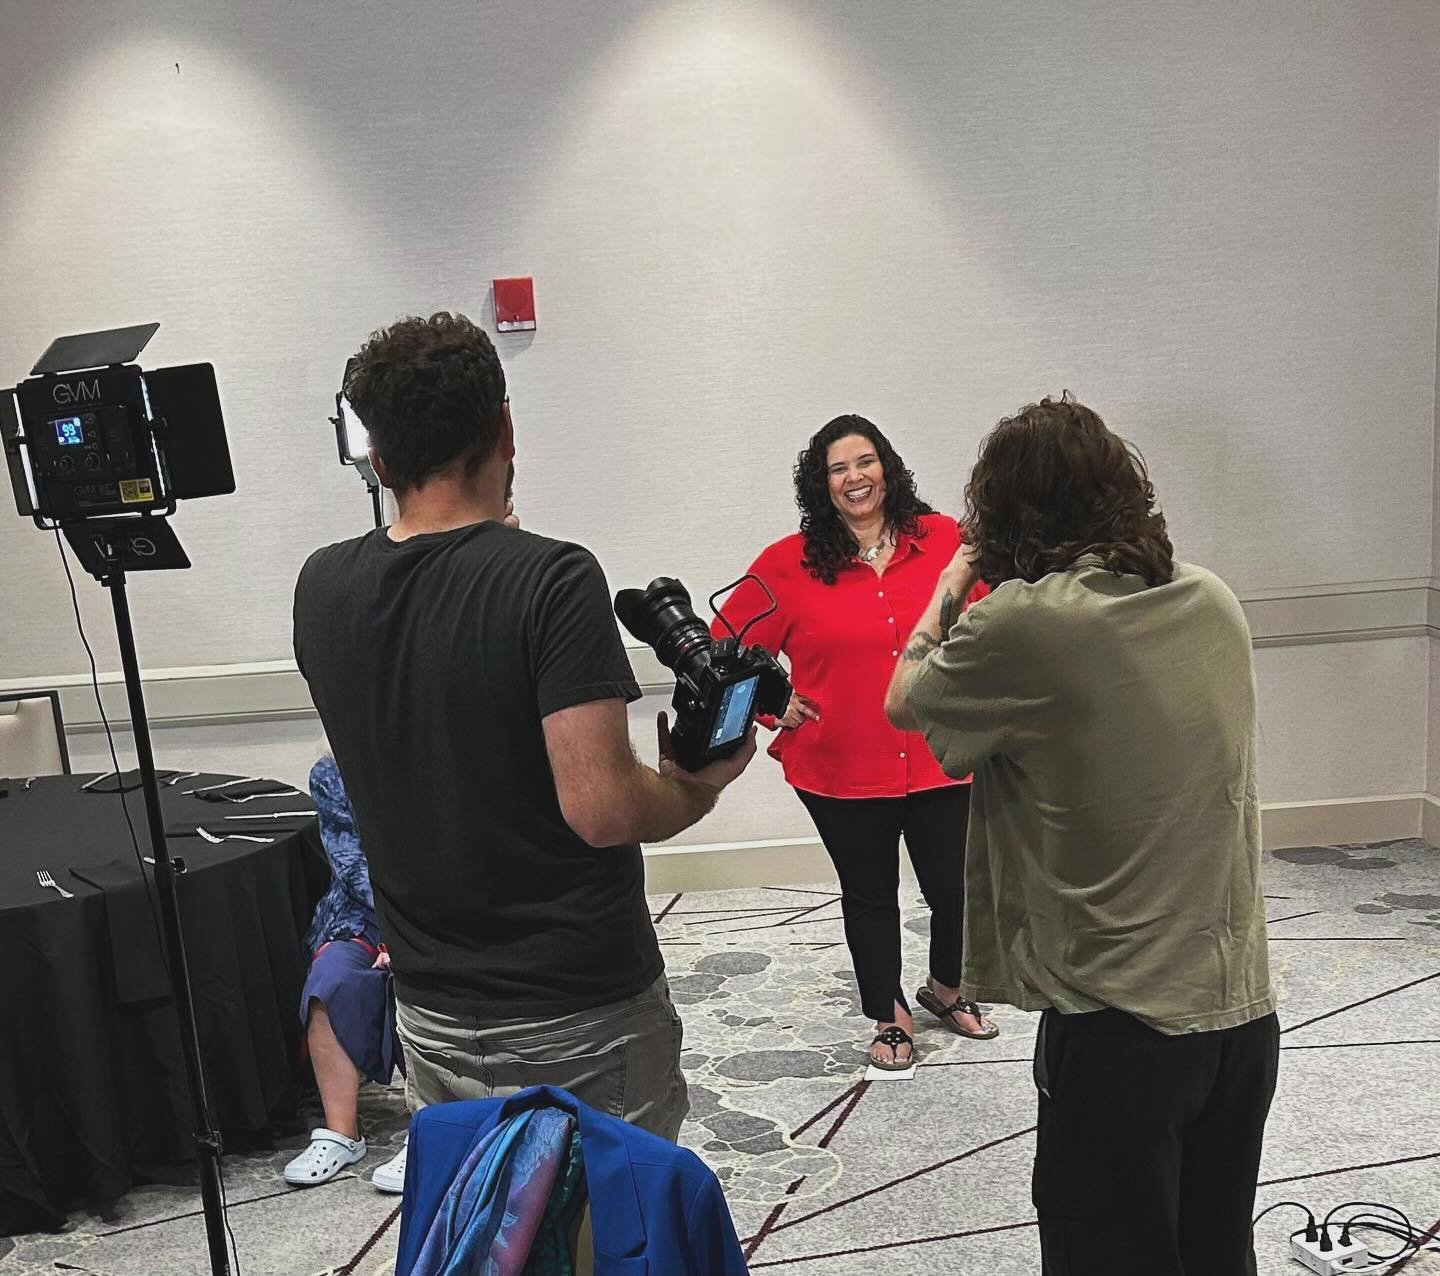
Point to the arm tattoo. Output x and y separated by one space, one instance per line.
947 613
920 646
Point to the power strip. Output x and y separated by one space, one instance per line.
1329 1262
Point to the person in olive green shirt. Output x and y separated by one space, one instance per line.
1104 697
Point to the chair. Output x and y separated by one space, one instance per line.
653 1207
32 734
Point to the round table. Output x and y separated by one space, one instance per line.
93 1095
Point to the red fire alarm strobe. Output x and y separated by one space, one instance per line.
515 304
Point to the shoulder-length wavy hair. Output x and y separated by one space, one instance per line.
828 542
1052 484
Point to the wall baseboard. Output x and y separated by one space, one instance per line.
1341 821
798 861
1430 819
737 865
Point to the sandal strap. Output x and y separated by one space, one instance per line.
320 1135
961 1004
894 1036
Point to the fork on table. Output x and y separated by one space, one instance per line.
50 884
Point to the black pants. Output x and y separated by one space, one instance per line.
1149 1145
862 836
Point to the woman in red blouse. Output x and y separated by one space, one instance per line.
850 585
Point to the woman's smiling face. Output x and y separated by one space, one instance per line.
856 478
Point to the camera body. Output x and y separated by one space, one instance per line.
720 684
716 706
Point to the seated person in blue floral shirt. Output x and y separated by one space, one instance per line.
346 1005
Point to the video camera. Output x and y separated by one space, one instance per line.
90 434
720 684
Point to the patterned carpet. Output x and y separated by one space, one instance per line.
828 1174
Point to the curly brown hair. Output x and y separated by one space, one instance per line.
1053 483
430 392
828 542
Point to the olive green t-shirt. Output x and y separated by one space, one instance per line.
1114 847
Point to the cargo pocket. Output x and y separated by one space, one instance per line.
1041 1068
595 1079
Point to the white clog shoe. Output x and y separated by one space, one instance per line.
390 1177
327 1155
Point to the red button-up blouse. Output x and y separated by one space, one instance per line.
842 641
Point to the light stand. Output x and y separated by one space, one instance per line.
353 442
104 546
101 451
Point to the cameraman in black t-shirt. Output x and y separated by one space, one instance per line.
472 682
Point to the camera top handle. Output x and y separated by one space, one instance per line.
745 629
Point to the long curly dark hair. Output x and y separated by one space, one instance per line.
829 546
1053 483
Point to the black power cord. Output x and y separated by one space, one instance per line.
134 840
1385 1225
1374 1205
225 1214
110 740
1310 1233
1412 1240
1388 1220
1373 1216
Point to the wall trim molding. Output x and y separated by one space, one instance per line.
1355 612
273 691
798 860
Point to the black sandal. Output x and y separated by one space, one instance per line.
946 1014
894 1036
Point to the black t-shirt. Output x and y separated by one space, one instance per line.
432 662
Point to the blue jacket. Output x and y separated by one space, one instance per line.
655 1209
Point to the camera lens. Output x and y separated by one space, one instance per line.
661 616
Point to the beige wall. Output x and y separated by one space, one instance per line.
1344 719
1216 222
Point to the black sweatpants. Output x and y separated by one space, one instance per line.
1149 1145
862 836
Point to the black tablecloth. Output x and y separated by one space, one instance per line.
93 1095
